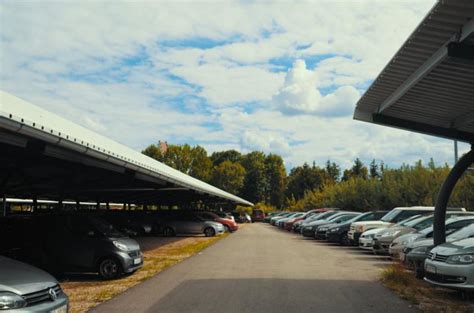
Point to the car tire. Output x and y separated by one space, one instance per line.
169 232
209 232
227 229
109 268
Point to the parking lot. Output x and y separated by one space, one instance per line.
262 269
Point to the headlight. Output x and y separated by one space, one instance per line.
422 250
461 259
395 234
120 245
407 241
323 228
369 236
333 230
9 301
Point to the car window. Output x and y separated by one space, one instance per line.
464 232
364 217
390 216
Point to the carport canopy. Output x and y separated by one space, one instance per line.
428 87
44 156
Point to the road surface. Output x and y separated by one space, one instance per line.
262 269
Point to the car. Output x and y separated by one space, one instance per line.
258 215
274 219
238 217
383 239
229 225
289 224
281 222
24 288
320 232
130 223
84 243
309 229
338 232
451 265
401 246
396 215
366 239
268 216
187 223
225 215
320 216
419 249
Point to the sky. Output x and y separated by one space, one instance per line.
276 76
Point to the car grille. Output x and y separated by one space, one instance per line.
438 257
134 254
38 297
445 279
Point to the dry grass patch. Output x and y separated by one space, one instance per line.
88 291
428 298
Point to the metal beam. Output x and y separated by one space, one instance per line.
4 205
439 230
425 68
427 129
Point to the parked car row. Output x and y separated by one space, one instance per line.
404 233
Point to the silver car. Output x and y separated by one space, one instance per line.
189 223
24 288
451 265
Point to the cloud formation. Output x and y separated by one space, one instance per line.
275 76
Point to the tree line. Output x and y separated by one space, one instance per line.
262 179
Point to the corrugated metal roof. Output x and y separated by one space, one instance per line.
424 87
20 116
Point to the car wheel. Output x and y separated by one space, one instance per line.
109 268
169 232
227 229
209 232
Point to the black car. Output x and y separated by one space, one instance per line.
338 232
320 232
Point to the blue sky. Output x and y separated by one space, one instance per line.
279 77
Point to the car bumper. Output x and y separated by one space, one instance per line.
307 232
449 275
395 251
60 305
320 235
366 243
380 247
333 237
131 261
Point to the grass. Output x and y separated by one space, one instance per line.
428 298
87 292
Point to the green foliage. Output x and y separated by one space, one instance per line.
262 179
303 178
228 176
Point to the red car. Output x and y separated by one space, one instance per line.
229 225
289 224
258 215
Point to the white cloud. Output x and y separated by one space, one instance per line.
300 94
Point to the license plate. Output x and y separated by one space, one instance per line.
430 269
137 261
62 309
402 256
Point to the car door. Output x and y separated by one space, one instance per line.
81 244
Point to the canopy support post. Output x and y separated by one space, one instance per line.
4 205
439 231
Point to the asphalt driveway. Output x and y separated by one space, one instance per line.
262 269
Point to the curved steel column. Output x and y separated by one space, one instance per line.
439 232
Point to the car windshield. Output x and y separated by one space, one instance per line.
105 228
408 220
465 232
390 216
424 223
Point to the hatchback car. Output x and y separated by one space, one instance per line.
181 222
84 243
229 224
24 288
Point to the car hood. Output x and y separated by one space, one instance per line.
373 223
372 231
132 244
21 278
407 237
463 246
421 243
319 222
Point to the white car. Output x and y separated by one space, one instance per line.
366 240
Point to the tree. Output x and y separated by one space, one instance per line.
184 158
276 175
333 170
374 170
357 170
228 176
228 155
305 178
255 183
